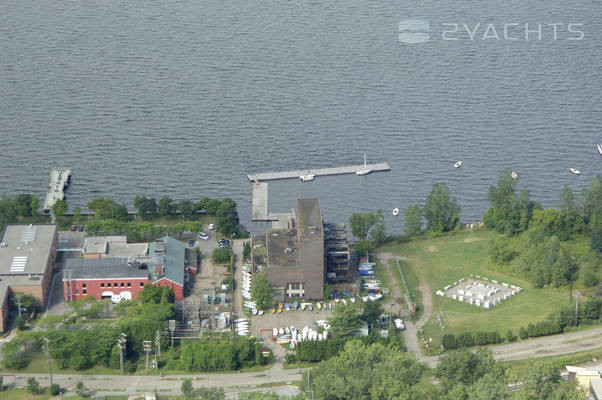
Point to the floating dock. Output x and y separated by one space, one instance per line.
352 169
59 182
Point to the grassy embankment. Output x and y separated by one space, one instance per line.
443 260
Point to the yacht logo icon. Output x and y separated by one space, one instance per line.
414 31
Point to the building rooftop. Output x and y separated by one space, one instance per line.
309 217
25 249
282 249
95 245
171 253
596 387
104 268
125 250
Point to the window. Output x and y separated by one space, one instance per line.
122 284
102 284
84 285
77 292
129 284
85 291
141 284
109 284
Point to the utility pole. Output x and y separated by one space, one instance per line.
146 346
121 343
158 345
49 359
390 315
172 327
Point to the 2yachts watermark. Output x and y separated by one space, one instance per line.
420 31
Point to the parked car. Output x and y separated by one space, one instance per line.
80 228
203 236
191 242
211 227
73 228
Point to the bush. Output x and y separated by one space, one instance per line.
449 341
21 323
33 387
465 339
590 279
522 333
55 389
221 255
510 336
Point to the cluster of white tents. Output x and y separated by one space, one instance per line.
242 327
293 336
481 294
246 281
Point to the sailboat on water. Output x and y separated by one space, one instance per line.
364 171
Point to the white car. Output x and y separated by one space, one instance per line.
203 236
211 227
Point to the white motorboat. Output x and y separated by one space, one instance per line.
458 164
281 331
352 299
364 171
275 332
307 177
254 311
514 175
574 171
396 211
599 147
260 312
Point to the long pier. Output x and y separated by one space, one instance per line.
352 169
59 181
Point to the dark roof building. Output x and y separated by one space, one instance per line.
295 257
104 268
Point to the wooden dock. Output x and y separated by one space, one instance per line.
59 181
352 169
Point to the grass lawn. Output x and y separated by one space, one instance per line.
22 394
520 367
443 260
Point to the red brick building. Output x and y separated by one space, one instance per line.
113 278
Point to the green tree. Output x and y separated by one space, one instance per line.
187 208
413 222
361 224
209 205
21 323
371 313
59 209
363 247
147 207
592 202
246 250
361 372
81 390
465 367
489 387
379 232
56 389
33 386
261 290
345 321
226 217
23 204
103 207
187 389
441 211
166 206
8 211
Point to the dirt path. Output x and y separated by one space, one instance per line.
410 334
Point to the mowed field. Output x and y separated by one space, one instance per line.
444 260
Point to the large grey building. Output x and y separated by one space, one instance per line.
295 256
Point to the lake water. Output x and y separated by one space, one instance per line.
183 98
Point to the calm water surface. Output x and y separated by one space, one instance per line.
183 98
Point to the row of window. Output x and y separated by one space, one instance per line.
122 284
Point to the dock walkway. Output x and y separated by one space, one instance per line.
352 169
59 181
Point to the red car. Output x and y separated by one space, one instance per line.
73 228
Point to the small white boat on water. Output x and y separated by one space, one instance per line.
599 147
458 164
364 171
514 175
574 171
307 177
396 211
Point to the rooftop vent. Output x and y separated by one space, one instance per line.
18 264
29 233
